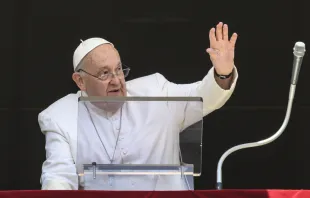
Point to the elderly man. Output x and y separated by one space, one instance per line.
98 71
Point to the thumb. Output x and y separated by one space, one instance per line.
212 51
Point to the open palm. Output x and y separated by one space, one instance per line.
222 50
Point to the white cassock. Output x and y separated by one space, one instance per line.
143 134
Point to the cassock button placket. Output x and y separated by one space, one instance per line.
124 151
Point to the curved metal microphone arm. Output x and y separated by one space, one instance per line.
259 143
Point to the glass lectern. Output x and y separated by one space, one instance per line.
139 143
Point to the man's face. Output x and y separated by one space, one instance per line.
101 62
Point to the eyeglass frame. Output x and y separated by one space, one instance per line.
109 75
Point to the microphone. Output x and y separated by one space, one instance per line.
299 52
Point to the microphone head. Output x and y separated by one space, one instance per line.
299 49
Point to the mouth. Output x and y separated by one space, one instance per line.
114 91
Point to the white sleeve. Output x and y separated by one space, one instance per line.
214 97
58 170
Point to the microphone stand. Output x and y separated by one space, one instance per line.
219 184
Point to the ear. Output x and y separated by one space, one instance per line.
79 81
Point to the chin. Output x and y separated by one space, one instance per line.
109 106
115 94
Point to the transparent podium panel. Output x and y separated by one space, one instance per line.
139 143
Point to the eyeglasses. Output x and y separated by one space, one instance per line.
121 72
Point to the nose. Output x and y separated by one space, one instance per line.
114 80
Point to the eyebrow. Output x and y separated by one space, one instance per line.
103 67
106 66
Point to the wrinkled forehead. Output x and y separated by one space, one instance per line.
103 56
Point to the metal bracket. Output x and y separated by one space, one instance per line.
94 169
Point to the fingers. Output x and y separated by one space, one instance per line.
212 37
233 39
225 32
219 34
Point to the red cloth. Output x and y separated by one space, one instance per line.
159 194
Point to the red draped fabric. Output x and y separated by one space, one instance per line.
159 194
